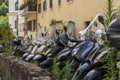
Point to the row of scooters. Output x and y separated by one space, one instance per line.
83 54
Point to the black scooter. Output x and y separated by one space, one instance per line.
20 48
61 43
88 65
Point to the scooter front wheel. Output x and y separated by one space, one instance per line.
94 74
82 71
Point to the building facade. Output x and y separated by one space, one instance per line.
13 15
28 10
15 20
79 11
34 13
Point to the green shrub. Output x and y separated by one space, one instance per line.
64 74
6 35
110 66
110 58
55 71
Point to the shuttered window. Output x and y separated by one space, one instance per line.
51 4
44 5
69 0
16 5
31 25
39 8
59 2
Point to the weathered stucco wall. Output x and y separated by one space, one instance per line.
12 68
78 11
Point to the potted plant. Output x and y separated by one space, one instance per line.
23 5
52 22
32 4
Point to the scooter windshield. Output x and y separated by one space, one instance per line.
52 31
92 27
70 29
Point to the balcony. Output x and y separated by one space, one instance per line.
13 13
29 10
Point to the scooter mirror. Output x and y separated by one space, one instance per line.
101 19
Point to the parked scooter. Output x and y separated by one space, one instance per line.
21 47
86 66
45 48
40 50
55 50
39 45
95 74
113 38
61 44
65 54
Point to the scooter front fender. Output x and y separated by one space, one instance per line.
82 71
94 74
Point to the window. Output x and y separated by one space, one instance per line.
59 2
16 5
51 4
69 0
39 8
31 25
86 23
44 5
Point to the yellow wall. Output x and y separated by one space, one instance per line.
78 11
31 17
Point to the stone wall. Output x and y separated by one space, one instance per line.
12 68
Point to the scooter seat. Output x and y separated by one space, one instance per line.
84 50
